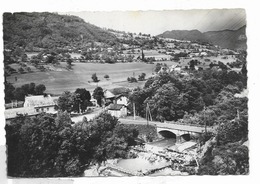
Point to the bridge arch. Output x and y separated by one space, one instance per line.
186 137
167 134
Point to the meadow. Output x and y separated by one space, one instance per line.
57 82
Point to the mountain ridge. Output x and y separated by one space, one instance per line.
232 39
48 30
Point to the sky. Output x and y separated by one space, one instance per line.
157 22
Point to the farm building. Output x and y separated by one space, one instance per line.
117 110
13 113
40 103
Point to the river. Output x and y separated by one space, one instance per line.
152 159
141 164
164 143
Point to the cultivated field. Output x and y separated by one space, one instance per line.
185 61
80 77
149 53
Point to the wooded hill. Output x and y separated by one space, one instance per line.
232 39
49 30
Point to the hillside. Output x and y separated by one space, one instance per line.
48 30
192 35
232 39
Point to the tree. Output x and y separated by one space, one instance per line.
110 139
21 70
9 89
66 101
19 94
192 64
167 104
83 99
43 147
69 63
98 94
131 79
158 67
233 130
106 76
244 70
94 77
141 77
31 88
29 69
39 89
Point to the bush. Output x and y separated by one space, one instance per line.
94 77
131 79
106 76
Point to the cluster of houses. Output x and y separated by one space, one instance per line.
33 105
117 104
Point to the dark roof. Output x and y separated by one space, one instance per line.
115 107
120 95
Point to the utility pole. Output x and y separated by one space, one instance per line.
238 116
205 120
134 110
148 113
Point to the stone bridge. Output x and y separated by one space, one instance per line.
178 131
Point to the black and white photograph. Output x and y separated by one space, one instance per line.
91 94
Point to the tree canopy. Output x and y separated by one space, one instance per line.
45 146
98 94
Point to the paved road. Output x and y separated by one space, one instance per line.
88 116
167 125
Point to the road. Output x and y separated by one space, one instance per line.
88 116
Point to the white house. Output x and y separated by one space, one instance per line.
175 68
121 99
117 110
40 103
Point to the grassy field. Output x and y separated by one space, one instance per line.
185 62
80 77
150 53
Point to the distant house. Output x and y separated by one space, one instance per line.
110 49
175 68
121 99
203 54
40 103
117 110
94 102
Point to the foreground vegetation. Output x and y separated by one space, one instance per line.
203 98
45 146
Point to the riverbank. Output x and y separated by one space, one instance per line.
144 161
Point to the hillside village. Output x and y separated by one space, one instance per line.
122 87
180 53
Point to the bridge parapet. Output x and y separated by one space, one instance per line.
179 123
